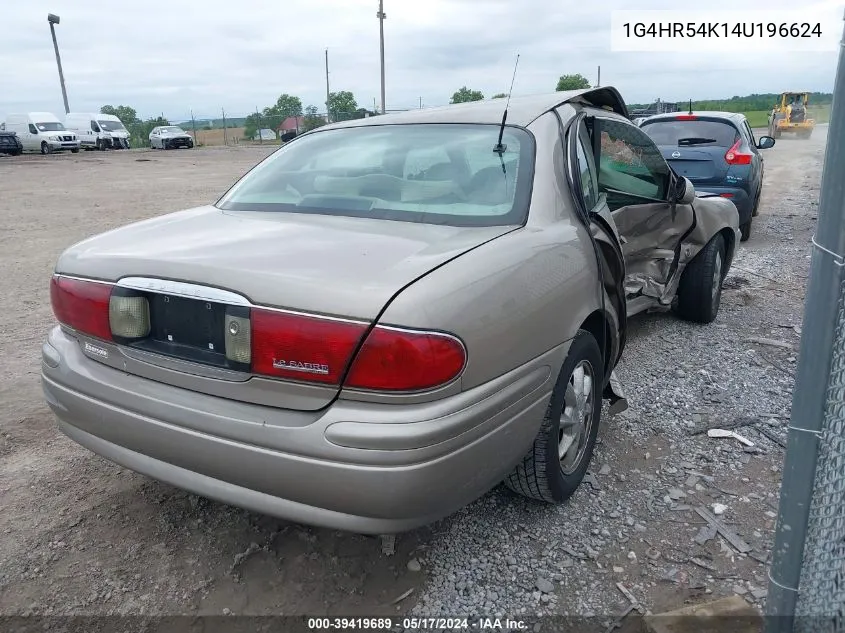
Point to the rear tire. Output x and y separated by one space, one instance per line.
745 230
700 290
572 420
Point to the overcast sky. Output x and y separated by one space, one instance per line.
171 57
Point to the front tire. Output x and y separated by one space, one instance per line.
556 463
45 149
74 151
700 290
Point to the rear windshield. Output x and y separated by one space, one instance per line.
427 173
686 133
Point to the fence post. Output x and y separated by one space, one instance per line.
809 550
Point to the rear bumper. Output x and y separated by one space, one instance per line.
739 197
344 470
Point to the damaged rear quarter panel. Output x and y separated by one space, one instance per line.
713 215
653 275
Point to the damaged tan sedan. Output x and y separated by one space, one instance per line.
386 317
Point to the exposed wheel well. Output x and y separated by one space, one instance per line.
598 325
730 244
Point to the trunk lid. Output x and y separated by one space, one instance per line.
324 265
705 165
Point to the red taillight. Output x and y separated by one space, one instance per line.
726 195
318 350
302 347
402 360
686 117
735 157
82 305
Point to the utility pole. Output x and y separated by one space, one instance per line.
260 124
53 20
225 131
328 94
598 82
804 590
381 17
420 103
194 126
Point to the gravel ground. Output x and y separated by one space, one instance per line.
83 536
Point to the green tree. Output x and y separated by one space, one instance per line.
253 123
312 120
342 105
126 114
501 95
465 95
572 82
286 105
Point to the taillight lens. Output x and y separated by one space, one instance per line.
300 347
318 350
403 360
82 305
686 117
735 157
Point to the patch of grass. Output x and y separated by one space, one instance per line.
757 118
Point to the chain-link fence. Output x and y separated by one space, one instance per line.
821 600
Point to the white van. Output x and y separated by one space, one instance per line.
98 131
42 132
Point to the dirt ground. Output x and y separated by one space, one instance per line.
83 536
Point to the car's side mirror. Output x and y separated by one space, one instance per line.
765 142
685 192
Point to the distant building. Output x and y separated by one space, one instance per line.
291 124
265 134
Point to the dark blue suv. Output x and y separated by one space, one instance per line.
717 151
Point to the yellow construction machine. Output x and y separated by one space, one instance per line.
791 114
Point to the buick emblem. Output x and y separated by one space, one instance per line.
676 154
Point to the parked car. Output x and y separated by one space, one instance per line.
10 143
717 151
170 137
97 130
387 316
42 132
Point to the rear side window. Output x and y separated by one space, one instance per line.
426 173
687 133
